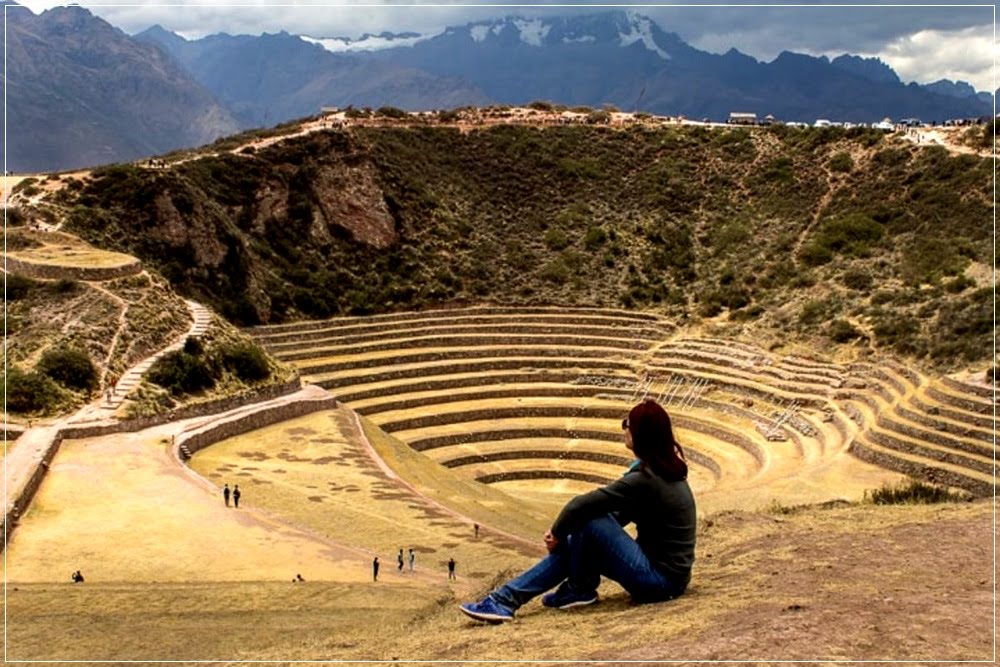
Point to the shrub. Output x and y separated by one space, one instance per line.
30 392
391 112
857 279
18 287
65 286
595 238
69 367
913 492
556 239
193 346
852 234
182 373
555 271
842 162
246 361
540 105
842 331
959 284
598 117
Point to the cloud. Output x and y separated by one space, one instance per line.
930 55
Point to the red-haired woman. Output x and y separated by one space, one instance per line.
587 539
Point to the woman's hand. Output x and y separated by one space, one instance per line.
551 541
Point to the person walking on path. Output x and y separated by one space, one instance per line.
399 560
236 496
475 527
375 569
451 569
587 539
225 494
413 557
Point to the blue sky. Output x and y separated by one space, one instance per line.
922 43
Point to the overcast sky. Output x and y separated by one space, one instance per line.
922 43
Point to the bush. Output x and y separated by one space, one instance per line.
193 346
858 279
842 162
182 373
71 368
594 238
853 234
30 392
391 112
556 239
19 287
598 117
913 492
246 361
842 331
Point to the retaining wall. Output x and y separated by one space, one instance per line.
565 314
244 423
469 367
448 329
920 471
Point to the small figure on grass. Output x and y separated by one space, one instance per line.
236 496
451 569
413 557
399 560
375 569
225 494
77 577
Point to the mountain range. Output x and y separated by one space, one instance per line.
82 92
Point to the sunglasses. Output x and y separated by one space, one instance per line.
625 424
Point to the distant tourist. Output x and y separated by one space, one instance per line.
451 568
225 494
375 569
587 541
236 496
399 560
413 557
77 577
475 528
298 577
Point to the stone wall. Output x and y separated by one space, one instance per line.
920 471
57 272
244 423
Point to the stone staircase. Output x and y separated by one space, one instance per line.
131 378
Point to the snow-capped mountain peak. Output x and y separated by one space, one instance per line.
640 29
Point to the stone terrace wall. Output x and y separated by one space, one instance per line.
244 423
919 471
57 272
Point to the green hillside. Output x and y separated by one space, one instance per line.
824 235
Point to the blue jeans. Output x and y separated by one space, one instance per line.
601 547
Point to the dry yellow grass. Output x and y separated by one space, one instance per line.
121 509
73 257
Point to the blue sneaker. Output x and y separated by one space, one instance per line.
487 610
565 597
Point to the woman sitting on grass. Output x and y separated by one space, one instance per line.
587 539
